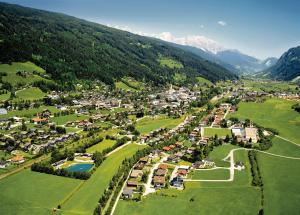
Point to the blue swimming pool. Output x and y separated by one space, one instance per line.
80 167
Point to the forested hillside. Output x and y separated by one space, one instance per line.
69 48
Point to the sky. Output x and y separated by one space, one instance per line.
260 28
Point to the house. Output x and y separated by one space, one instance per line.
136 173
127 193
144 160
199 165
182 172
3 111
132 183
177 182
18 159
166 148
4 164
38 120
159 181
251 133
161 172
163 166
173 158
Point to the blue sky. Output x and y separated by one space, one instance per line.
260 28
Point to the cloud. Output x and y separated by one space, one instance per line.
198 41
201 26
222 23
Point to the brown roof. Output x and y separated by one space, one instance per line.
159 180
182 172
37 119
161 172
131 183
163 166
166 148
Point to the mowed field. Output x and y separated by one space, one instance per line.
281 178
221 132
61 120
30 192
85 199
237 197
214 174
274 113
148 124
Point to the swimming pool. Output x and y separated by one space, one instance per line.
80 167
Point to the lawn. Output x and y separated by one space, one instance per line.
221 132
14 79
214 198
85 199
61 120
219 153
29 112
106 143
30 192
215 174
148 124
32 93
274 113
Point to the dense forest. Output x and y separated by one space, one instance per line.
69 48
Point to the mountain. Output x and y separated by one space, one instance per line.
245 64
287 67
69 48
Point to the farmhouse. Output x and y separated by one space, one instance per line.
159 181
251 133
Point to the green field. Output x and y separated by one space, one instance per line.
32 93
148 124
215 174
14 79
214 198
169 62
61 120
123 86
129 84
29 112
219 153
221 132
203 81
281 178
4 97
33 193
106 143
274 113
85 199
269 86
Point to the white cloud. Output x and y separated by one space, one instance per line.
222 23
198 41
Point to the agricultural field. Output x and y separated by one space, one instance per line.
61 120
201 197
203 81
273 113
28 67
221 132
219 153
129 84
269 86
123 86
169 62
85 199
148 124
30 192
29 112
214 174
106 143
32 93
281 178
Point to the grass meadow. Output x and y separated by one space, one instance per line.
273 113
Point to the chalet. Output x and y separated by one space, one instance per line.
127 193
162 166
182 172
159 181
38 120
4 164
132 183
136 173
144 160
177 182
173 158
18 159
167 148
251 133
161 172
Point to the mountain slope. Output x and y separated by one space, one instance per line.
287 67
69 48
